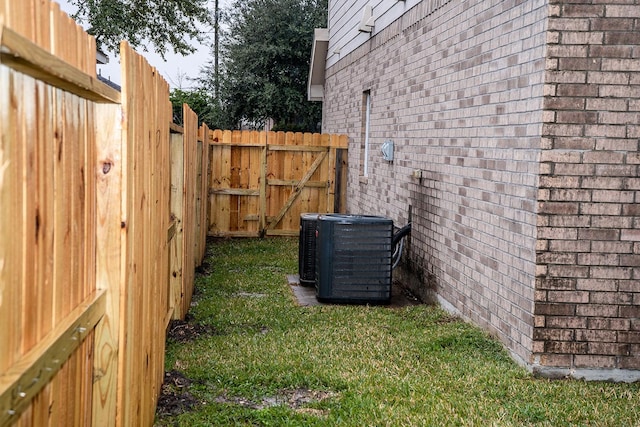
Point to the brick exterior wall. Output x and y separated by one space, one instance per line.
587 311
458 88
522 120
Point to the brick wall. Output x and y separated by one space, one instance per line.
458 87
523 120
588 280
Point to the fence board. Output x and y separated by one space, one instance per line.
262 181
198 201
10 224
220 214
28 173
147 113
189 220
203 191
177 203
201 194
234 180
45 208
108 172
189 183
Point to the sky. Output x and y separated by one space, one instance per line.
177 69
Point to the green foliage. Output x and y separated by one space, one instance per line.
163 24
266 56
363 366
203 104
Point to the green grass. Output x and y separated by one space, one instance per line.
357 365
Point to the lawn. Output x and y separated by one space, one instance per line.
250 356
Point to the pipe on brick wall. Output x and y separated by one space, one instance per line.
399 238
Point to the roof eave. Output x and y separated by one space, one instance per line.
315 86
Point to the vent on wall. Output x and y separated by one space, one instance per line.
367 21
353 258
307 249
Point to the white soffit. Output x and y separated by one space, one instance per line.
315 88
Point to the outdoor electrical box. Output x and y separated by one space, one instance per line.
387 150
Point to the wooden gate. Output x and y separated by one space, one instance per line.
262 181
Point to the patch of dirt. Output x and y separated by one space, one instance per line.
184 331
401 296
204 269
296 399
249 295
174 397
448 318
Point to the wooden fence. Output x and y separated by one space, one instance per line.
188 233
87 239
262 181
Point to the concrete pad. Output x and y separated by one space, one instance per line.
305 295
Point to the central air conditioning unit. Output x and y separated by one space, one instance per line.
353 258
307 249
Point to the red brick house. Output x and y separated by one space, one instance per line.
515 127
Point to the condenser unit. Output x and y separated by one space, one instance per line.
353 258
307 249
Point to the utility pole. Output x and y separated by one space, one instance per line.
216 50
